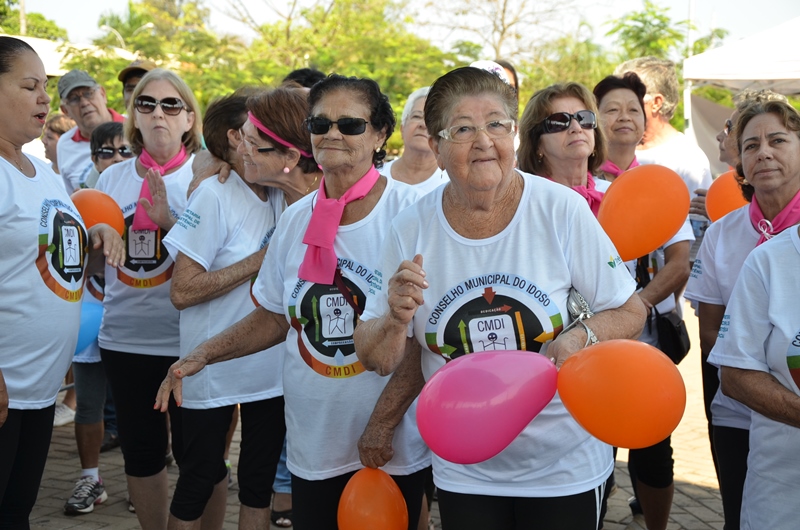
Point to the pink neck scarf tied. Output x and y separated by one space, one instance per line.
612 169
264 129
319 263
789 216
142 221
589 192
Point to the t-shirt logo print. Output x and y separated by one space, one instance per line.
492 312
147 261
793 358
62 250
325 323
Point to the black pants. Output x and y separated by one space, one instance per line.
731 447
461 511
652 465
710 375
135 380
203 444
24 442
315 503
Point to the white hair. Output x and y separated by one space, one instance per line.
411 101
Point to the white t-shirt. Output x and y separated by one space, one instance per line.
656 262
329 396
42 261
222 225
509 292
683 157
139 316
761 331
726 245
438 178
73 157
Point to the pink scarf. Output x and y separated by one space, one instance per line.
589 192
142 221
319 262
787 217
612 169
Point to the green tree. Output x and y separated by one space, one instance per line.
364 38
573 57
648 32
37 24
176 36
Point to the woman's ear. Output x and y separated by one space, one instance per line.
234 138
291 158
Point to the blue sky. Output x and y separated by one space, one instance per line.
740 17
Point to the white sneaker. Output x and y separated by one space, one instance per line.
63 416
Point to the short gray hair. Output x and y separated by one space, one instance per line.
411 101
659 77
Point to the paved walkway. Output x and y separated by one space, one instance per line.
697 504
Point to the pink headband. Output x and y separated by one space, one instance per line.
263 128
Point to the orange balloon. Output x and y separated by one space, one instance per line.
643 208
724 196
370 501
623 392
97 207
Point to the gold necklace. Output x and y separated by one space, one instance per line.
312 184
19 166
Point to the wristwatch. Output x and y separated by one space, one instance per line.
591 338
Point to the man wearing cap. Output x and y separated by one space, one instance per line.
131 75
83 100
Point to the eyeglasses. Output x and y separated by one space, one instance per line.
348 126
462 134
170 106
75 98
105 153
728 127
560 121
254 145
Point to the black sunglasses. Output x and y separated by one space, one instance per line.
348 126
170 106
728 127
560 121
105 153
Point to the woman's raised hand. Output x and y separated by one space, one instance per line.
158 210
405 290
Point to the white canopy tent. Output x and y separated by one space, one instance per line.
52 53
768 59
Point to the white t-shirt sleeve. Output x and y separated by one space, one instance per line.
703 283
268 288
745 326
378 299
596 269
201 230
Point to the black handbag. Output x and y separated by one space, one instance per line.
673 337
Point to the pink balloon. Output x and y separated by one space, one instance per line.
474 406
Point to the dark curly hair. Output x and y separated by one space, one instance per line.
381 114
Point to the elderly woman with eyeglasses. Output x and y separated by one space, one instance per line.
139 336
319 270
462 255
